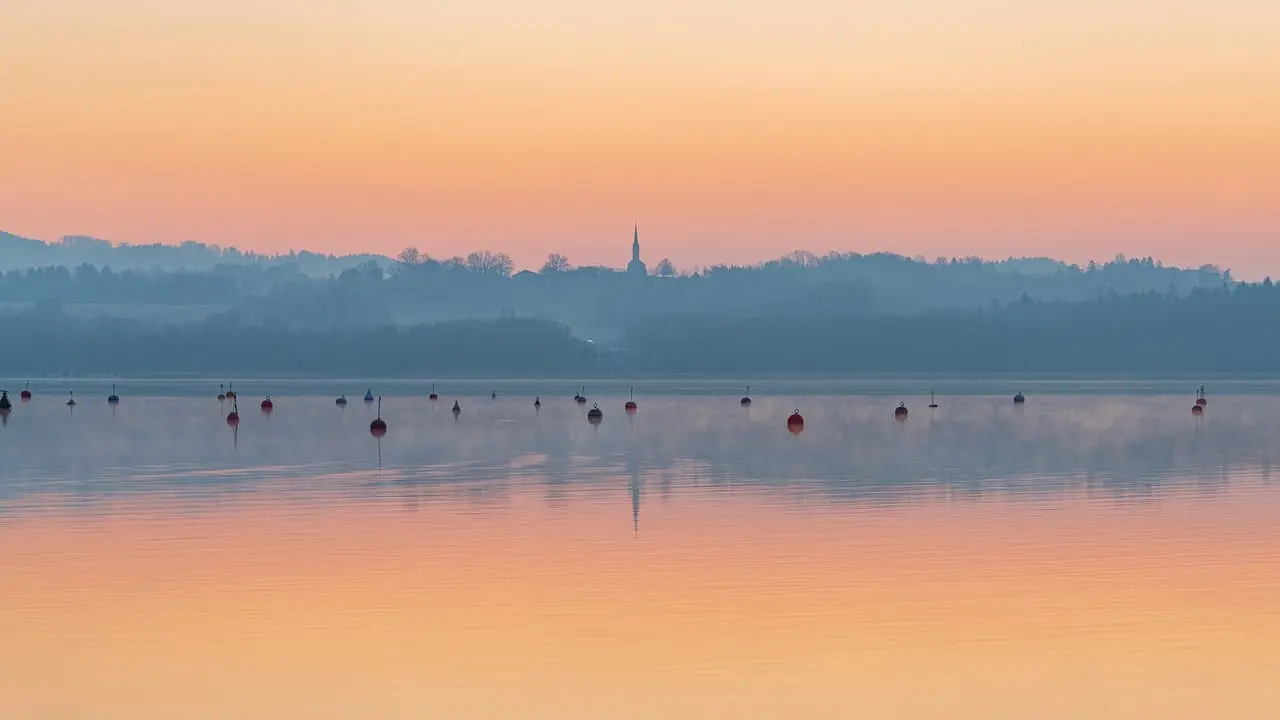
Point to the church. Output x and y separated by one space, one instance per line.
636 266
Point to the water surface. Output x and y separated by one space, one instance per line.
1095 555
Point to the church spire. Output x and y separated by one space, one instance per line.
636 266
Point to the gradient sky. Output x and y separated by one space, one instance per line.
732 131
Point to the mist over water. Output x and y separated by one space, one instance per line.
1098 552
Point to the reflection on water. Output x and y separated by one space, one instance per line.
1104 555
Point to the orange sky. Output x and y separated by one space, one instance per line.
730 131
991 608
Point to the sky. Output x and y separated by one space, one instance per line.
729 130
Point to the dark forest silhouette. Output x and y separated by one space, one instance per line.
1223 330
474 315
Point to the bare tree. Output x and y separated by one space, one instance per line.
555 263
410 256
665 268
483 262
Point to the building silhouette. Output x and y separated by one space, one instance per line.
636 266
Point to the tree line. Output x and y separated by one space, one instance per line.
1230 329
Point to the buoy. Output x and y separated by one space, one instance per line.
26 392
900 412
267 405
368 395
71 397
1201 400
595 415
456 407
113 398
231 394
378 427
222 395
932 403
1197 409
4 400
1018 399
233 417
581 397
746 399
537 403
631 404
493 395
795 423
342 400
434 397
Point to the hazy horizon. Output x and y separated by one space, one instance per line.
622 255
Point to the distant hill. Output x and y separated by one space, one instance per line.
20 253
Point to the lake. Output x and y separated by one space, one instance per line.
1096 553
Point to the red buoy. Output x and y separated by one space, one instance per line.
630 407
795 423
26 393
267 405
900 413
1201 402
233 418
1197 409
378 427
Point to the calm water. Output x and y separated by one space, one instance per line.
1090 555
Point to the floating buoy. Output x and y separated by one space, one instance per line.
378 427
746 399
4 401
233 417
1201 400
113 398
933 404
26 392
595 415
231 394
537 403
1197 409
71 398
267 405
631 404
581 397
795 423
456 407
368 395
493 395
900 412
342 400
1018 399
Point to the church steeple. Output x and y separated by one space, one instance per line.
636 266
